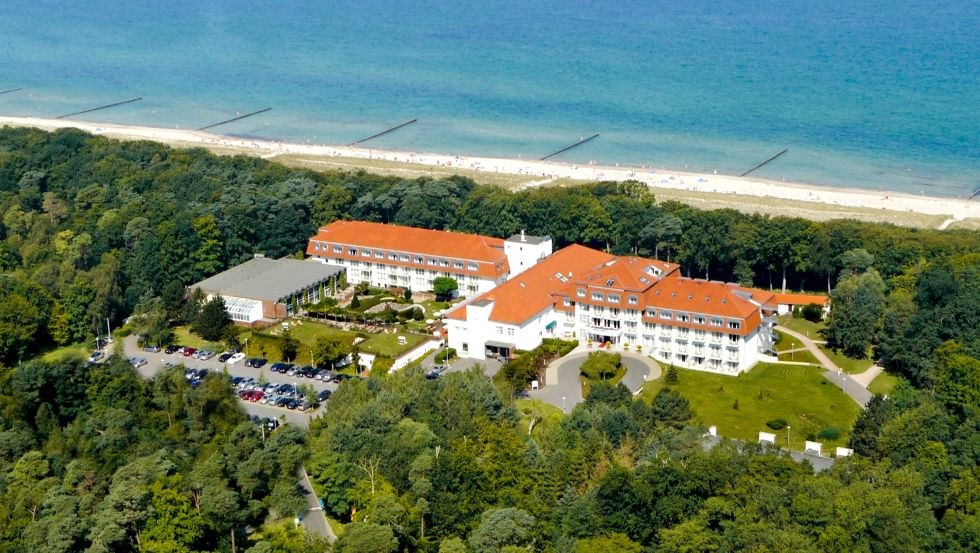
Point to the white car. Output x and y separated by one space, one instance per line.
236 358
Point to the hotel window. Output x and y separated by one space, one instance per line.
634 300
716 322
665 315
457 265
733 338
471 266
510 331
432 261
419 260
366 253
403 257
338 249
614 298
566 302
580 292
420 271
699 319
394 256
733 325
500 330
597 296
316 246
379 255
444 263
682 317
352 251
651 312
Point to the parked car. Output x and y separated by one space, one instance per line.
340 377
96 357
137 362
432 374
171 349
189 352
282 401
324 395
152 349
205 355
279 367
236 358
255 362
323 373
225 356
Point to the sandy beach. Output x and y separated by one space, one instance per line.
539 173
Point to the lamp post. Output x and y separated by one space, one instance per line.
108 330
788 428
246 346
563 404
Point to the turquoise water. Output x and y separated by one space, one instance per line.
874 94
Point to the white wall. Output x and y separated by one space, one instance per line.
521 256
419 352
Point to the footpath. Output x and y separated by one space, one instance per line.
857 390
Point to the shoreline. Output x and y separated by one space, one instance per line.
541 173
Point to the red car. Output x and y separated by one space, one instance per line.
189 352
256 395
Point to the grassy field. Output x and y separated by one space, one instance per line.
883 383
73 351
185 337
803 326
798 394
785 342
387 344
587 383
803 356
547 417
850 366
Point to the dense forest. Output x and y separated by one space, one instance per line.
97 229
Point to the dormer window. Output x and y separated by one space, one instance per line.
580 292
634 300
597 296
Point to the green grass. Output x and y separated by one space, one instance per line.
796 393
387 344
883 383
803 326
547 417
849 365
587 382
786 341
185 337
432 306
803 356
336 526
73 351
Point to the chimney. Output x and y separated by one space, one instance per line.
523 238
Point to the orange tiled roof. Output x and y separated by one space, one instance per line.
801 299
533 291
699 296
628 273
487 251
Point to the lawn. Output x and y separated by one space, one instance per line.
587 382
547 417
387 344
185 337
803 326
73 351
798 394
850 366
785 342
803 356
883 383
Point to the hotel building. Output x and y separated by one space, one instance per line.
397 256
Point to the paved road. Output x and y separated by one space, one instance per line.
315 520
155 362
563 389
832 372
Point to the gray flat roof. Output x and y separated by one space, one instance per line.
528 239
267 279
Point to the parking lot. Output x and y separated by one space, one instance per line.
157 360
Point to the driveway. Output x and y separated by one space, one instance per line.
563 389
314 521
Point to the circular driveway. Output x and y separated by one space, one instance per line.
562 387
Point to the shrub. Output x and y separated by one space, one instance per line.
735 405
777 424
829 433
672 376
408 294
355 302
561 347
812 312
601 365
446 353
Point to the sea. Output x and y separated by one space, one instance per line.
874 94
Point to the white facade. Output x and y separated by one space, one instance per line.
711 351
523 252
417 279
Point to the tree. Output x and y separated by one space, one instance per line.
663 232
671 408
328 350
601 365
288 345
501 527
366 537
207 257
211 323
612 542
444 287
857 304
